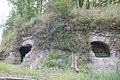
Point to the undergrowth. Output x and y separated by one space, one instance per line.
102 55
112 11
62 25
55 74
15 70
56 59
83 19
61 38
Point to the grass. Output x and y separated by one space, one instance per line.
92 15
112 11
56 59
16 71
82 76
55 74
102 55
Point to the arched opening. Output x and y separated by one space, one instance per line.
24 50
100 49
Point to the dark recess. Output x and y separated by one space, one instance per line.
100 49
24 50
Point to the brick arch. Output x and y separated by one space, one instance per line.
99 47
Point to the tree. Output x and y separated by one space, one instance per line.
27 8
80 3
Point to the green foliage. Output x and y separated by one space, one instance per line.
5 67
64 3
81 62
27 8
17 71
61 38
101 3
56 59
13 26
66 40
6 45
54 54
50 63
81 76
112 11
102 55
84 3
62 8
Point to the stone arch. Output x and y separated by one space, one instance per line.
100 49
24 50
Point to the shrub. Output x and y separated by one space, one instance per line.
50 63
54 54
55 59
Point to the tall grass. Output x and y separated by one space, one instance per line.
82 76
112 11
16 70
56 74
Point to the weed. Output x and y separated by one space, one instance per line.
102 55
56 74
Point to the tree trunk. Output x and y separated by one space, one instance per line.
74 63
88 4
80 3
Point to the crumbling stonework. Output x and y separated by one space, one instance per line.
35 57
105 38
14 58
105 63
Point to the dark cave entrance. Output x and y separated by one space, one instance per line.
100 49
24 50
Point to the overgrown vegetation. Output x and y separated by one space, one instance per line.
102 55
62 39
6 68
68 20
60 25
55 74
56 59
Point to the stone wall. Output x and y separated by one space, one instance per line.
36 56
105 63
105 38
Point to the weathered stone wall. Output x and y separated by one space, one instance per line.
107 38
36 56
105 63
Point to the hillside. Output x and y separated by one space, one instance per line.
105 19
62 43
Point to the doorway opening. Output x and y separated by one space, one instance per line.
24 50
100 49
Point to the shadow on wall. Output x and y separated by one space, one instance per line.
100 49
24 50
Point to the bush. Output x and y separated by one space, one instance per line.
63 7
9 69
55 59
54 54
112 11
50 63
